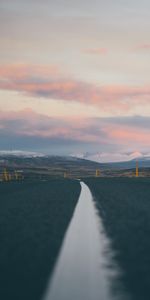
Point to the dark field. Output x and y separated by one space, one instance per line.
33 219
124 205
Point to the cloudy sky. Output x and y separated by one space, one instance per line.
75 75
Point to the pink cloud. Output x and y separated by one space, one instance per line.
22 71
28 123
98 51
129 135
101 131
142 47
48 82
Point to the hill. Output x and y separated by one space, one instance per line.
43 167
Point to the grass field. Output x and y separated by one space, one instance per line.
33 219
124 205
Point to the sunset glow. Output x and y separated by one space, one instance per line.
75 75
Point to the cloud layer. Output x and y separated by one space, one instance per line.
115 133
49 82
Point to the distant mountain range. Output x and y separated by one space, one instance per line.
104 157
20 153
113 161
116 161
100 157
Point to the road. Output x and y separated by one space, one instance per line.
82 269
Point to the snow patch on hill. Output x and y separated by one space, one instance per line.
106 157
20 153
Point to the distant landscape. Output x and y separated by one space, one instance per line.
40 167
35 212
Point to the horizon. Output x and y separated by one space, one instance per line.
100 157
74 77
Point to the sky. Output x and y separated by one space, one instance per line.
75 76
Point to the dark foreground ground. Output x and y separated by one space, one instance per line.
33 219
124 205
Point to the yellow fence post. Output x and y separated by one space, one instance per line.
137 169
5 175
65 175
97 174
